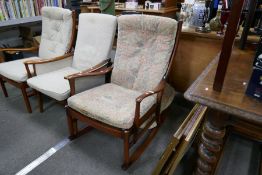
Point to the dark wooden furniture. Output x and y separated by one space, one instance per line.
227 108
23 85
203 48
249 20
132 135
167 11
233 23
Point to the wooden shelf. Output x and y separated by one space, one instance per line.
21 21
167 11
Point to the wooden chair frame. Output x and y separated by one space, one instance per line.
23 85
130 136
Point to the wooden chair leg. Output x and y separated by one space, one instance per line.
126 150
3 87
72 126
40 101
26 99
75 126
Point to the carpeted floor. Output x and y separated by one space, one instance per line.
24 137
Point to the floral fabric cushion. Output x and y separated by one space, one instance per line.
144 47
111 104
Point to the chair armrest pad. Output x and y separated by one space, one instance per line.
43 61
160 87
101 71
30 49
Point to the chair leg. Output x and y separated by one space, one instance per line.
26 99
3 87
126 150
72 126
40 101
75 127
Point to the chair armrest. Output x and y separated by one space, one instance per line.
100 69
96 72
160 87
157 90
43 61
30 49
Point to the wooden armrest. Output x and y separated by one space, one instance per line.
43 61
30 49
100 69
96 72
160 87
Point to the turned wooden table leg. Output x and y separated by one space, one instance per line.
211 143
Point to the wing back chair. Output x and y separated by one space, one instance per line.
94 42
128 105
58 33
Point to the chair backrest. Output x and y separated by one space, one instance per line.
95 37
144 47
57 29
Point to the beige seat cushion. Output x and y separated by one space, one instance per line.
53 83
111 104
15 70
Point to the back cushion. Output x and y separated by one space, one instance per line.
144 47
56 32
94 39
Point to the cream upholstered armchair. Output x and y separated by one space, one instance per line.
130 104
58 33
94 42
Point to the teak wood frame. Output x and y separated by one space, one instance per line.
129 136
23 85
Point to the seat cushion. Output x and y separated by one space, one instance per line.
111 104
53 83
15 70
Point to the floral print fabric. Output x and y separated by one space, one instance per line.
145 43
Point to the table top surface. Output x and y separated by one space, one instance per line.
232 99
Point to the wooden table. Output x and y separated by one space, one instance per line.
231 100
167 12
